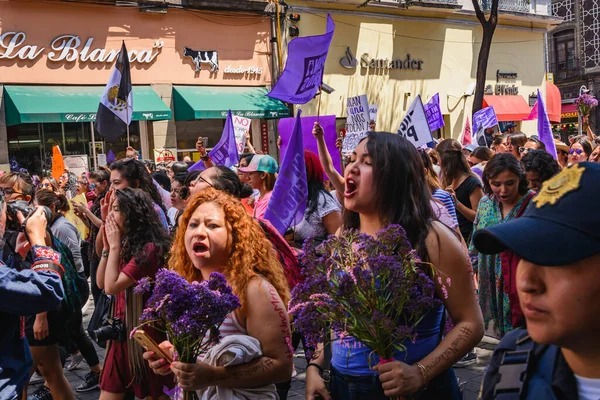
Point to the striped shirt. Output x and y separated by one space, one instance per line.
231 326
446 199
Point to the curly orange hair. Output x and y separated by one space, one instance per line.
251 252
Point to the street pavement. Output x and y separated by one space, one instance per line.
470 378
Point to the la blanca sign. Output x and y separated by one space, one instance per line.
68 48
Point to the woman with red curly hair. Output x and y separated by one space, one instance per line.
220 236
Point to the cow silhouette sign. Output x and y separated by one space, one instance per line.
200 57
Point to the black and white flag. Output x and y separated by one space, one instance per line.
116 104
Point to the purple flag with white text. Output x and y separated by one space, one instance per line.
303 73
435 120
288 200
225 152
544 129
486 118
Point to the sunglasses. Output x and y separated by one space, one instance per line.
92 186
524 150
575 151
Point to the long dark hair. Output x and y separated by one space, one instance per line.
500 163
143 226
453 162
228 181
138 177
401 192
314 177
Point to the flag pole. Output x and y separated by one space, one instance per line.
94 161
128 122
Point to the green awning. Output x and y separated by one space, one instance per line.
38 104
213 102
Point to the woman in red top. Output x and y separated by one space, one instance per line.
134 247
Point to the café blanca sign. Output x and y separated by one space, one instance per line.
69 48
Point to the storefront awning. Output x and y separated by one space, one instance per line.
213 102
568 111
553 102
508 108
43 104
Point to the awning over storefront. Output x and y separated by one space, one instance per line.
508 108
568 111
44 104
553 101
213 102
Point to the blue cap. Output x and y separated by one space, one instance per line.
470 147
560 226
261 163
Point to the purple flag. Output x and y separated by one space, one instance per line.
225 152
484 118
544 129
288 200
303 73
110 157
435 120
286 128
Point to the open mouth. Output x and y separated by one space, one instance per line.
199 248
351 188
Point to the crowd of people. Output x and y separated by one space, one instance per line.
452 200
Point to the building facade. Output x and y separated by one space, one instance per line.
574 56
188 67
395 50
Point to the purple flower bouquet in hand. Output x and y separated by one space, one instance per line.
585 104
375 289
186 312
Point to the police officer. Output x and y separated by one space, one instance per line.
558 282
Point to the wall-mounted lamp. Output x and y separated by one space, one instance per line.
532 99
294 31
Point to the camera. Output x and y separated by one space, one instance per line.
112 329
14 206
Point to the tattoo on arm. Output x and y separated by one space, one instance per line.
451 351
262 366
284 322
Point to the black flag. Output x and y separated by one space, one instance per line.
116 104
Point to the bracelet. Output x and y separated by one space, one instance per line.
45 253
104 254
317 366
424 373
205 158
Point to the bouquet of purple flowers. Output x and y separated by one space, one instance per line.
585 104
186 312
375 289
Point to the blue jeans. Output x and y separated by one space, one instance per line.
348 387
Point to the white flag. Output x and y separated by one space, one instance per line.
414 126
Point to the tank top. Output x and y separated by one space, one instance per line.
351 357
230 326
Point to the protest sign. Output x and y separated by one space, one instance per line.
484 118
165 156
303 73
357 122
373 110
286 127
241 125
433 113
414 126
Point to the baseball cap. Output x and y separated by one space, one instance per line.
261 163
560 226
470 147
510 125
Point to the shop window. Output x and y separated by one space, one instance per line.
120 146
25 146
188 133
75 138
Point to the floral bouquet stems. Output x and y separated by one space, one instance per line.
375 289
585 104
189 313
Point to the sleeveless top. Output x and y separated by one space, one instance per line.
230 326
351 357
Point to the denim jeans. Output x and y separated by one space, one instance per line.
347 387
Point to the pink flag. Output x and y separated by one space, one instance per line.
467 135
533 114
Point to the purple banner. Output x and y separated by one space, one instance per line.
544 128
288 200
303 73
286 127
225 152
485 118
435 119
